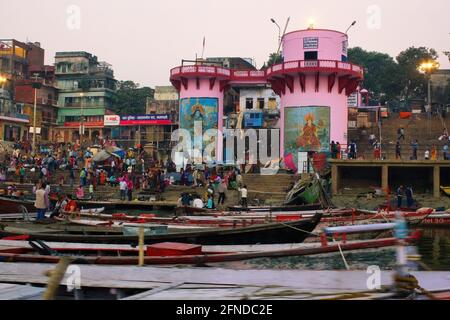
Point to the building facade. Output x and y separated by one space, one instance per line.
158 136
87 89
313 83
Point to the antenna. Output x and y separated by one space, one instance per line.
284 32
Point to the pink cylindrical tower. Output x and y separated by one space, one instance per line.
313 82
201 99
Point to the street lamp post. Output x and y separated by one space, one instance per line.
428 68
36 85
279 30
81 118
353 23
2 82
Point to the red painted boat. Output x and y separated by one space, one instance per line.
15 205
176 253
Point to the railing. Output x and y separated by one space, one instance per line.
315 64
291 66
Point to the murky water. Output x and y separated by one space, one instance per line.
434 248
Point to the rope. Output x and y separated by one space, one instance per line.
298 229
409 284
318 235
342 254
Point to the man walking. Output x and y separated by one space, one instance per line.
244 193
415 147
123 189
401 134
41 203
400 192
222 189
398 151
409 197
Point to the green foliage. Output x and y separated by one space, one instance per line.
131 98
274 58
381 76
389 80
414 82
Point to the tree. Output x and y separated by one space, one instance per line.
274 58
413 82
389 80
131 98
381 73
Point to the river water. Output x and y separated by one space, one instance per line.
434 248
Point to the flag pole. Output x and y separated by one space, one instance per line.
203 50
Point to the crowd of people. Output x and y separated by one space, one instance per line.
218 181
351 151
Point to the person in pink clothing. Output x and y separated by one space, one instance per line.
130 189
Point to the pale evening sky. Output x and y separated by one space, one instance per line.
143 40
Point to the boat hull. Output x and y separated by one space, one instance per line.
290 232
11 205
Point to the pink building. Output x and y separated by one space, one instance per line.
313 83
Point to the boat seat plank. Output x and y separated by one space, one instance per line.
151 277
19 292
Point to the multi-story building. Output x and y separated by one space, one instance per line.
46 107
165 105
87 90
17 60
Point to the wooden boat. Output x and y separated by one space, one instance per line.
437 220
173 253
446 191
306 191
238 219
93 210
289 232
306 207
14 205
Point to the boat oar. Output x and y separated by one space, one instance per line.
56 276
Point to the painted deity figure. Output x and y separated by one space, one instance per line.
308 138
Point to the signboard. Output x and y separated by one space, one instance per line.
86 124
353 100
112 120
345 47
38 130
146 119
310 43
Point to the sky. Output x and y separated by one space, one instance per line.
144 39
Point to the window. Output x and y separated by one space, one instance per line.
261 103
249 103
272 103
311 55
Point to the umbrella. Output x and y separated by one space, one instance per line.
119 153
101 156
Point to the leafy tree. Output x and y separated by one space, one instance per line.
274 58
381 76
391 80
414 83
131 98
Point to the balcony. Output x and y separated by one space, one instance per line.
15 117
325 66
